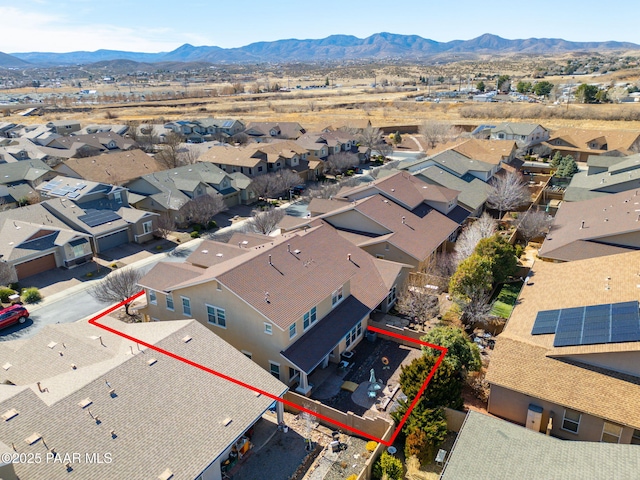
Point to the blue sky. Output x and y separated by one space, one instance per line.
161 25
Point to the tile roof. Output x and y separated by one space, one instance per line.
612 220
157 423
529 364
488 447
114 168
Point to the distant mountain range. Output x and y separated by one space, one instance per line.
332 48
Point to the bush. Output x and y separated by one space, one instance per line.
371 446
212 224
14 286
350 173
5 293
114 265
388 465
197 227
31 295
519 250
195 234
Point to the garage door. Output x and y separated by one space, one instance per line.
33 267
113 240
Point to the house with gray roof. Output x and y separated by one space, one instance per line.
64 127
605 175
170 190
32 172
136 412
488 447
473 191
265 131
524 134
34 241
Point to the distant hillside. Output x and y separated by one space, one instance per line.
7 61
332 48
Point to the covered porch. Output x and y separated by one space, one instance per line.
322 344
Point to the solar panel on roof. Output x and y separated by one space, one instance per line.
227 123
73 195
94 218
60 192
47 187
546 322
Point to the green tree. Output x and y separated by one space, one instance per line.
523 87
503 81
601 96
586 93
388 465
444 388
502 257
426 429
543 88
555 161
397 138
462 353
472 275
567 167
481 86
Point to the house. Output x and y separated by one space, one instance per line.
265 131
568 356
351 125
592 228
496 152
292 305
64 127
411 193
14 196
581 143
387 230
517 452
35 241
121 129
227 127
107 407
324 144
19 149
114 168
31 172
605 175
75 146
170 190
456 164
258 159
524 134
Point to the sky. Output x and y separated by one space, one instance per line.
163 25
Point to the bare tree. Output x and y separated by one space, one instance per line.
328 190
417 302
266 221
475 307
534 223
339 162
370 137
466 243
508 192
201 209
147 139
171 154
435 132
118 286
271 184
166 224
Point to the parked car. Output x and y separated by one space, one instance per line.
298 189
13 314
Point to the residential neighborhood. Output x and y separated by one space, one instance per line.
277 280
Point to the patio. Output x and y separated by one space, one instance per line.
368 355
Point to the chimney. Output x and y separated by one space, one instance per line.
582 225
349 256
403 219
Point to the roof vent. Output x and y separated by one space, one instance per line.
33 439
52 344
152 361
186 339
227 421
219 255
166 475
205 251
297 251
6 366
245 242
9 414
85 403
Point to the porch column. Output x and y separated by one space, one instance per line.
280 412
304 383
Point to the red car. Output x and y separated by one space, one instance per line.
13 314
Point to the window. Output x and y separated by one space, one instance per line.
153 299
336 297
169 302
292 330
259 168
571 421
353 335
78 250
186 306
391 298
268 328
274 368
293 373
117 197
309 318
146 227
635 438
250 171
611 433
216 316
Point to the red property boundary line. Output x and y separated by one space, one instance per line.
443 352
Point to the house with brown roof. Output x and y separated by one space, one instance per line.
495 152
387 230
353 124
265 131
580 143
126 410
114 168
567 360
592 228
292 305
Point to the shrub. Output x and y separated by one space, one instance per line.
114 265
14 286
388 465
5 293
197 227
371 446
352 477
519 250
212 224
31 295
349 173
195 234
